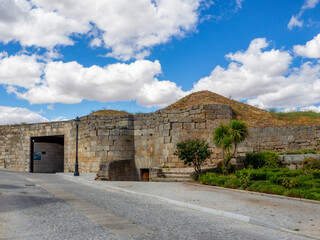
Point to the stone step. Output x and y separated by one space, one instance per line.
177 175
174 180
177 170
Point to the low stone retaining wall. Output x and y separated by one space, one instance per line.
295 161
118 170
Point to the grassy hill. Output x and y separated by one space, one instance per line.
110 112
255 117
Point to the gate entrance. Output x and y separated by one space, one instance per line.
47 154
145 175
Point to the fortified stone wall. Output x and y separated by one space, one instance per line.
15 142
147 139
281 139
101 138
156 134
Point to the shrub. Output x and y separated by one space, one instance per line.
271 159
295 192
315 174
245 177
312 195
213 179
193 152
253 160
262 159
232 182
311 163
266 187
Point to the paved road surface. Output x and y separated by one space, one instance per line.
55 206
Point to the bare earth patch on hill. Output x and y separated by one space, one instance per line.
254 117
110 112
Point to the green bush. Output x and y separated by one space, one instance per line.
312 195
309 184
193 152
295 192
232 182
271 159
213 179
254 160
281 181
262 159
311 163
315 174
266 187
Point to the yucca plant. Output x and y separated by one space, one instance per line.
227 137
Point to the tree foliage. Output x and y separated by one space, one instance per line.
227 137
193 152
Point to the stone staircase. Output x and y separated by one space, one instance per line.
173 175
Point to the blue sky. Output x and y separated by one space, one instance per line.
63 58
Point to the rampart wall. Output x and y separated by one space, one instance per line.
148 140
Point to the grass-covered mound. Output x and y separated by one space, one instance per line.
280 181
253 116
107 112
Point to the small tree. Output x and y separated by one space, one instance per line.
193 152
227 137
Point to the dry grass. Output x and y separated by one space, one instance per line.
254 117
110 112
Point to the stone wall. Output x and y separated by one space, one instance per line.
295 161
101 138
156 134
281 139
149 140
15 142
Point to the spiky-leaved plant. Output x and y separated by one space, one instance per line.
227 137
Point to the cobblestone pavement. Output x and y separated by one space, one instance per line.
53 206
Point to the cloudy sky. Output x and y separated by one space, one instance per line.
63 58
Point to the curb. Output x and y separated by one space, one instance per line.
229 215
256 193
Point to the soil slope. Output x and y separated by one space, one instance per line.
110 112
254 117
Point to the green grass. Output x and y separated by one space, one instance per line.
304 151
280 181
291 116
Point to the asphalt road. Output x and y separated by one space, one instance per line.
51 206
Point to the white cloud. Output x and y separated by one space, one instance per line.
295 22
250 73
60 118
239 3
310 50
311 108
265 78
20 70
71 82
301 89
33 26
16 115
128 28
308 4
96 42
159 93
295 19
259 74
